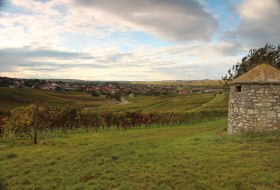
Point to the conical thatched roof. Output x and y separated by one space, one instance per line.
262 74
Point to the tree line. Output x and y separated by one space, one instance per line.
41 119
268 54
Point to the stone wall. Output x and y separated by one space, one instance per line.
255 108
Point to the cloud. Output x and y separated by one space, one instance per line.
42 53
175 20
39 7
46 23
43 60
80 39
260 22
175 62
19 30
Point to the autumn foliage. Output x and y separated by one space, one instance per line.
31 120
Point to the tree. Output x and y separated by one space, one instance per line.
268 54
118 96
95 93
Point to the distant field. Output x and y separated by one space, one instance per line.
12 97
200 156
190 83
171 103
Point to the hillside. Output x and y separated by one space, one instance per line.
171 103
13 97
200 156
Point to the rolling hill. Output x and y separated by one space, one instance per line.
13 97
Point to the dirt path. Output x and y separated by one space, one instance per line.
124 101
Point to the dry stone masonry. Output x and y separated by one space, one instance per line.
254 103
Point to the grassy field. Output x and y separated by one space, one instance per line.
12 97
200 156
171 103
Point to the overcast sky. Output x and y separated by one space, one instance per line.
132 39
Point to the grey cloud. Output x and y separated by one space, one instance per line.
58 66
176 20
257 35
234 48
30 60
149 65
256 32
42 53
195 71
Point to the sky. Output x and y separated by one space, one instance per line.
132 40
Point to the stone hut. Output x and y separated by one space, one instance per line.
254 101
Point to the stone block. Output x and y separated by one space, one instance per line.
271 114
250 112
273 101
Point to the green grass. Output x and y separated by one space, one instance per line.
200 156
12 97
171 103
219 101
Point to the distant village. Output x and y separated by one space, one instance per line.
105 88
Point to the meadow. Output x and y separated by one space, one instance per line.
200 156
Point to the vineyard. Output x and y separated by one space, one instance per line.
199 156
13 97
70 111
36 120
150 142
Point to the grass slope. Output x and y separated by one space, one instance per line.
171 103
200 156
219 101
12 97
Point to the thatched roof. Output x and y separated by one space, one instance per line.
262 74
